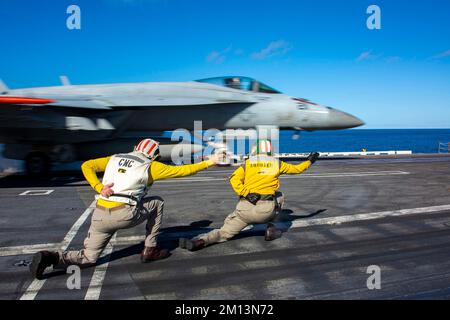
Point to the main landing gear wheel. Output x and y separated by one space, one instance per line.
37 164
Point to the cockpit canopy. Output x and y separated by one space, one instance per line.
240 83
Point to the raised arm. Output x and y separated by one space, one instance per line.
90 169
287 168
160 171
237 182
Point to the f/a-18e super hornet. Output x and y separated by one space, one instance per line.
76 122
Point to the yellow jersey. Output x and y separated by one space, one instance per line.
260 174
157 171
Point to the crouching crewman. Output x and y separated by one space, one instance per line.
121 204
256 183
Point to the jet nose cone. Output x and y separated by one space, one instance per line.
343 120
352 121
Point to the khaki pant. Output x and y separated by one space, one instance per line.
245 214
106 222
280 201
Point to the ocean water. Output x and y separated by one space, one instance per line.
416 140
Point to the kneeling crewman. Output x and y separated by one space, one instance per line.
121 204
256 183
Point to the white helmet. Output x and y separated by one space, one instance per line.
148 147
262 146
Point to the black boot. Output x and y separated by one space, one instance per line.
41 261
272 232
191 245
153 253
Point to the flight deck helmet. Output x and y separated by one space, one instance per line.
262 146
149 148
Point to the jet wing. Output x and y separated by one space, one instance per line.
143 102
52 101
114 102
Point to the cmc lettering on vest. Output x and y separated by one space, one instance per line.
129 173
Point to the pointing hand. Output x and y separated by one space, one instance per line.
313 156
219 157
107 191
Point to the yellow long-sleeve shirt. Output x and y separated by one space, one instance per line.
157 171
262 176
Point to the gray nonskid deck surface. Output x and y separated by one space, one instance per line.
323 261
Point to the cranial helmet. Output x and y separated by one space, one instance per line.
262 147
148 147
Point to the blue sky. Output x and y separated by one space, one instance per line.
396 77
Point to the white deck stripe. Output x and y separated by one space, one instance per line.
95 286
311 222
301 176
208 172
13 251
27 249
36 285
368 216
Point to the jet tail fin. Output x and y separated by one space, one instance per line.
64 80
3 87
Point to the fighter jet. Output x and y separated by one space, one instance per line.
76 122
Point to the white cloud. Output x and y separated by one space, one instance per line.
220 56
442 55
393 59
279 47
367 55
215 56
